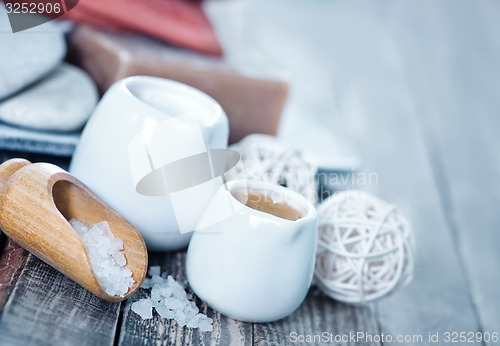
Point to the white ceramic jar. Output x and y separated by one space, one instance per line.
102 159
251 265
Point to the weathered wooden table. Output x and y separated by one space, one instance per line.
456 280
421 103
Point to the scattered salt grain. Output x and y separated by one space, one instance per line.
171 301
165 312
154 271
143 308
106 258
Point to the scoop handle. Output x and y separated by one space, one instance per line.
10 167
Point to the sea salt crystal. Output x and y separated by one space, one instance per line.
181 319
205 323
171 301
165 291
164 312
106 258
191 309
143 308
119 258
154 271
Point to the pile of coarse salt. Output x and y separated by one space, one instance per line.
106 258
171 301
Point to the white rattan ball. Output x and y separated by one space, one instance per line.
267 159
365 248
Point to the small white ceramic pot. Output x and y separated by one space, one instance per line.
253 266
136 123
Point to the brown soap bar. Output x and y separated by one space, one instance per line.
253 105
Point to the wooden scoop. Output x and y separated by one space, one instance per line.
36 202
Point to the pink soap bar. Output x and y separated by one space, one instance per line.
253 105
176 21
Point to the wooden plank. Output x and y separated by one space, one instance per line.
460 119
46 308
160 331
318 321
12 260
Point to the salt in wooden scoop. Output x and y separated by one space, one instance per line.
36 202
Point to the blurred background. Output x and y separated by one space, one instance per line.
347 60
410 90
